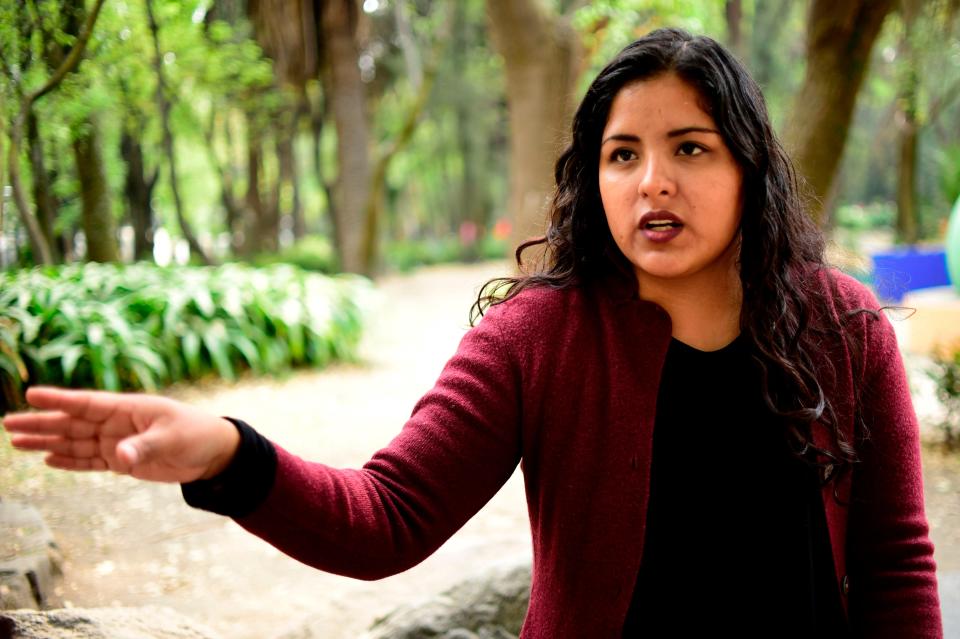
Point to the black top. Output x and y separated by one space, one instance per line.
736 537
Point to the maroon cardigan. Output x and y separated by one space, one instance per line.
565 382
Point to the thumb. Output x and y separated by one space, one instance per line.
138 449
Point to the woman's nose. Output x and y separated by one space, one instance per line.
656 179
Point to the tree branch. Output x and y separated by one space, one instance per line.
73 58
403 137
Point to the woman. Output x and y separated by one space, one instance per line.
715 430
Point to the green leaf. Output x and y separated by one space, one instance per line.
217 348
146 377
191 353
68 361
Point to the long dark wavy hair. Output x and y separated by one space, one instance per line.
779 243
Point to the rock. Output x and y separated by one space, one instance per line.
30 561
489 606
100 623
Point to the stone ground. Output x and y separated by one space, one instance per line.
134 544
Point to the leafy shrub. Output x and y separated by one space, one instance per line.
312 253
863 217
141 326
946 373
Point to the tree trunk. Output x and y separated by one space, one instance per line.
163 105
769 20
733 13
252 242
288 180
908 231
378 183
472 205
908 126
840 36
317 119
286 29
43 198
138 191
346 93
98 224
540 50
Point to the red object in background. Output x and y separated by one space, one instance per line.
501 230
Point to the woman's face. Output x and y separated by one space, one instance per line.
671 189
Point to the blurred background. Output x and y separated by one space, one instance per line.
362 135
206 198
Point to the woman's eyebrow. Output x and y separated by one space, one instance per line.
620 137
691 129
627 137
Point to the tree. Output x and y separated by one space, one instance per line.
138 184
923 24
541 54
163 106
840 36
99 226
287 32
38 242
346 97
422 81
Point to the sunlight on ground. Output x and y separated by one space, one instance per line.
26 474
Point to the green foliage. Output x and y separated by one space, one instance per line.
312 253
406 255
946 373
142 327
865 217
930 50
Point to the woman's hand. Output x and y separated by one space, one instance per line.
145 436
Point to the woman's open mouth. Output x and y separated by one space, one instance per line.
660 226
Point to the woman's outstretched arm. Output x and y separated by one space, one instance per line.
148 437
459 446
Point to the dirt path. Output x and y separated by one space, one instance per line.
130 543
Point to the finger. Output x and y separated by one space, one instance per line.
52 423
72 463
95 406
60 446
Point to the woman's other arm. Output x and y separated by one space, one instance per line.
893 587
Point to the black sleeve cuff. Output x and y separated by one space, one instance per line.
244 484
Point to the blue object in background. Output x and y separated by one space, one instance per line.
907 269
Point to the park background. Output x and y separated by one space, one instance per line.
194 194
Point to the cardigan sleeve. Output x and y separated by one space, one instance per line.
892 578
459 446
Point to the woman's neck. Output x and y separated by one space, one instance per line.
705 311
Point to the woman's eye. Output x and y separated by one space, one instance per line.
623 155
690 148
